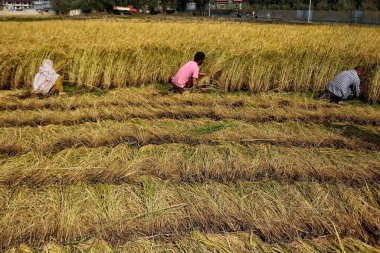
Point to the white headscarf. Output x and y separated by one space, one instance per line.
45 78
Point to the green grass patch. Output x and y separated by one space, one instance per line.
27 18
75 90
165 87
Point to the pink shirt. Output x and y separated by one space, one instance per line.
187 71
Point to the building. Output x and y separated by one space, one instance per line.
228 4
191 6
18 5
42 5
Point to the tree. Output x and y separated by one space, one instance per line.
61 6
180 5
87 6
345 5
369 5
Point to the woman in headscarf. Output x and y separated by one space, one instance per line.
47 81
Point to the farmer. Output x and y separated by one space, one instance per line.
188 75
344 85
47 81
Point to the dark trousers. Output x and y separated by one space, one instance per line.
189 84
331 97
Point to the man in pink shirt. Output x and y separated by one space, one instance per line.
188 75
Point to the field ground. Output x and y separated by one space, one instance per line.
146 170
132 167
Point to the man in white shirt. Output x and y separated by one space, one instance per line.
344 85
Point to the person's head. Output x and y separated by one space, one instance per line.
360 70
48 64
199 58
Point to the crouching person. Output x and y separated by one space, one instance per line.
47 81
344 85
188 75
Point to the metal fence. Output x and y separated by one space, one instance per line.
359 17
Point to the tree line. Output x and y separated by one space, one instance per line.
87 6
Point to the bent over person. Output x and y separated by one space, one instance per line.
344 85
47 81
188 75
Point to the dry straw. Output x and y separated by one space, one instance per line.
143 170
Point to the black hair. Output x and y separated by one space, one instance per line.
360 68
199 56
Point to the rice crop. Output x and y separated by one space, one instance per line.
242 56
124 165
146 170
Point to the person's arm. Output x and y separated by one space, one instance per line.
203 74
356 89
194 81
195 76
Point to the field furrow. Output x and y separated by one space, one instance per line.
248 114
54 138
211 242
151 104
274 212
185 163
151 97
